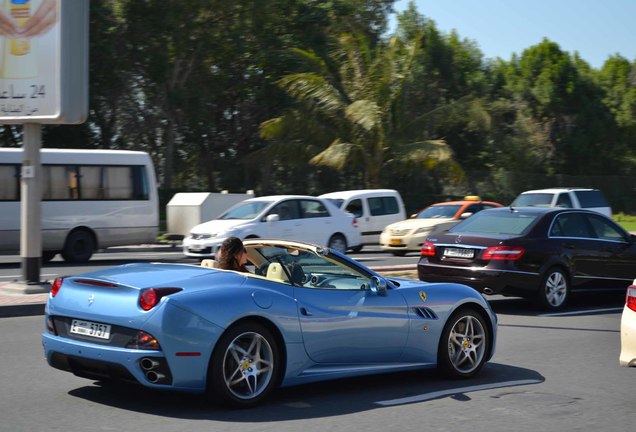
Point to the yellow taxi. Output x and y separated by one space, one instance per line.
409 235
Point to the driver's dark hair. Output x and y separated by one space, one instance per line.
228 255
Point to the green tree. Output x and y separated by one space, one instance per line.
355 95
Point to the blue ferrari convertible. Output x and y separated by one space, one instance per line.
306 313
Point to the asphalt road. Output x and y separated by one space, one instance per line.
549 373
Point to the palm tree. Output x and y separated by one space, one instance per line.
347 110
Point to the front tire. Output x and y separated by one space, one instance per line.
464 345
554 291
47 256
79 247
245 366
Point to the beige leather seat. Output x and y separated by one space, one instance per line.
276 272
210 263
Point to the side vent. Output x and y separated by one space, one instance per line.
425 312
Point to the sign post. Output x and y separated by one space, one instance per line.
43 80
30 209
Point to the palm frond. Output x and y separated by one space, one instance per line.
313 90
365 113
429 152
316 62
335 156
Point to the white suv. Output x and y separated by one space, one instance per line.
287 217
374 209
590 199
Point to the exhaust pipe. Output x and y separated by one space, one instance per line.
488 291
153 376
148 364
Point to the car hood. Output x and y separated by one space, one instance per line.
419 223
217 225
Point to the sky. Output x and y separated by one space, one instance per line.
596 29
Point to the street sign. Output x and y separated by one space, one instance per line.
44 61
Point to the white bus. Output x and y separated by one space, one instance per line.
91 199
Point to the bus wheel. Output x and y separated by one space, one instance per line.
79 247
48 256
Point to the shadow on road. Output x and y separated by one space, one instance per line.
326 399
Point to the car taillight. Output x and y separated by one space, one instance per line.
503 253
428 249
630 300
56 285
150 297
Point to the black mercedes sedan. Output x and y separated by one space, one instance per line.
539 253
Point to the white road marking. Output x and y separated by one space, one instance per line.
449 392
582 312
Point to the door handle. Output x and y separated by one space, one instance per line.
304 311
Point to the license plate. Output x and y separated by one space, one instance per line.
396 241
92 329
459 253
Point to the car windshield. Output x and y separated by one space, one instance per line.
245 210
314 270
533 200
439 211
486 222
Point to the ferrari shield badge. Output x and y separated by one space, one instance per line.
423 296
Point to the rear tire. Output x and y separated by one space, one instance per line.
464 345
79 247
554 291
338 242
245 366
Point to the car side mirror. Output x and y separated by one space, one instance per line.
378 285
272 218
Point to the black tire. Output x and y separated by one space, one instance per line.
464 345
48 256
554 291
79 247
245 366
338 242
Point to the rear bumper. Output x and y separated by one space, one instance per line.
104 362
488 281
628 338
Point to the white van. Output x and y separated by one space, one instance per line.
373 208
586 198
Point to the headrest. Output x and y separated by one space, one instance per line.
276 272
